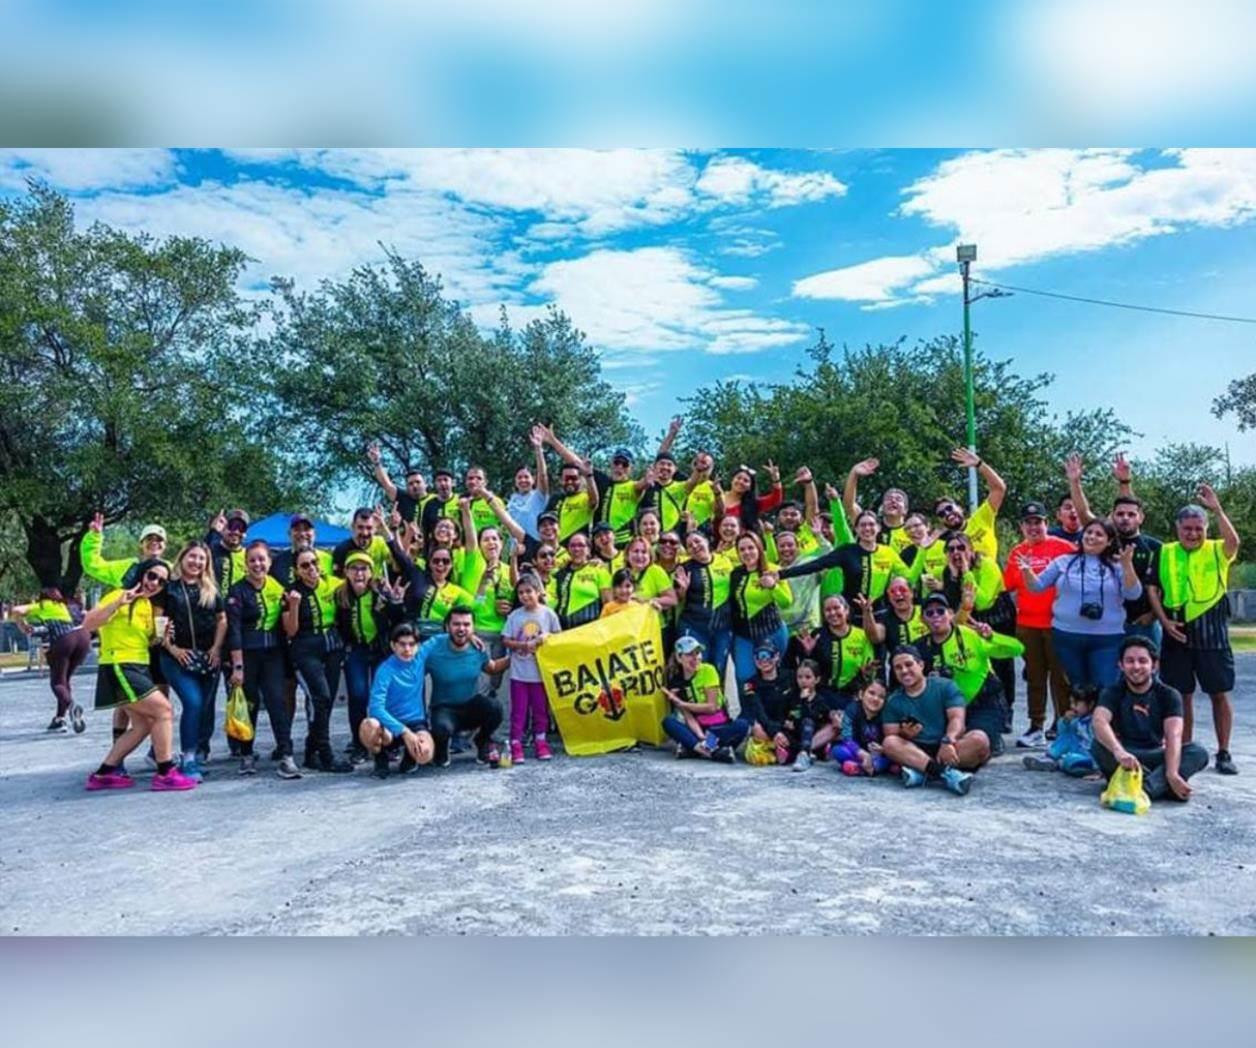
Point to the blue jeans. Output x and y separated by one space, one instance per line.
195 691
729 734
715 644
743 652
1089 660
359 668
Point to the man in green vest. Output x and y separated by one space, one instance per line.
1188 594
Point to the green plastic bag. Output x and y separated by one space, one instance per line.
1125 792
239 723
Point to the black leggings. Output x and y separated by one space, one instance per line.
319 672
480 713
264 684
65 655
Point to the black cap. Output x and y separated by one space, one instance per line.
1033 509
622 453
549 514
601 526
936 598
665 456
443 472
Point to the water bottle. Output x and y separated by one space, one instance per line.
505 760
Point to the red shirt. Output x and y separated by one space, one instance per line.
765 502
1034 609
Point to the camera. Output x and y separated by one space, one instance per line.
1091 610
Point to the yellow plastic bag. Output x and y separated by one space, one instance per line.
760 752
1125 792
239 724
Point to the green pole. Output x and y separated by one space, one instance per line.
969 408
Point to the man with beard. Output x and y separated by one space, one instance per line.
576 500
364 540
1127 518
980 527
413 499
444 503
617 493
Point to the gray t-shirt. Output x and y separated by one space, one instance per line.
522 624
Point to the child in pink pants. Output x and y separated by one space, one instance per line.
525 630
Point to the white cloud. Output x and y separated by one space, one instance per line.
654 299
79 170
1020 206
736 180
734 283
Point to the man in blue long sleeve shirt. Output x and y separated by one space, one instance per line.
396 709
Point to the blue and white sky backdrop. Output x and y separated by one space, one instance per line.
687 266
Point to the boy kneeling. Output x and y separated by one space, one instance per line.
396 710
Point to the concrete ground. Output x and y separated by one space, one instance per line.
632 843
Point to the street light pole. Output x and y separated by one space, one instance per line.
966 254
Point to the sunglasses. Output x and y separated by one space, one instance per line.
545 556
441 560
237 525
958 548
934 612
307 565
669 542
152 575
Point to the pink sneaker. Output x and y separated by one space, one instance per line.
115 780
852 768
516 751
173 780
543 752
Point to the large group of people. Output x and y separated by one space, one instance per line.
883 639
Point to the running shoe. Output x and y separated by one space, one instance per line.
76 719
248 764
288 768
1034 762
56 724
174 779
381 769
488 754
408 765
328 761
542 750
357 754
803 761
852 768
958 782
202 754
516 752
724 755
913 778
190 768
115 780
1033 739
1225 763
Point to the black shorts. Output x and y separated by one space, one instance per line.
930 748
120 684
1181 667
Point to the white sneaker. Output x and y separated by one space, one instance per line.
802 762
1032 740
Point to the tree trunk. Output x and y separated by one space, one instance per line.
43 551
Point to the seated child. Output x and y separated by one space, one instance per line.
814 718
1070 752
859 751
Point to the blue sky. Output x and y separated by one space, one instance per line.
684 266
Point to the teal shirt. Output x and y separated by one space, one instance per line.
454 673
929 707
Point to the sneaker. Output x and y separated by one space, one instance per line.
115 780
357 754
248 764
1033 739
1036 763
174 779
852 768
381 769
76 719
913 778
516 752
997 746
488 754
56 724
958 782
683 754
543 751
329 762
190 767
802 762
1225 763
1052 732
288 768
448 760
724 755
408 765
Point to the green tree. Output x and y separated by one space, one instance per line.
384 355
127 381
1239 398
905 406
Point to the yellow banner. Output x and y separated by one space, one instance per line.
605 682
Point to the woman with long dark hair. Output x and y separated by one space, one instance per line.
701 585
741 500
68 645
1088 615
756 599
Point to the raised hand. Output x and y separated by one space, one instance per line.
1208 498
681 580
673 427
803 476
536 436
292 598
831 493
967 459
773 472
372 452
1073 466
808 640
97 523
866 467
1121 469
219 522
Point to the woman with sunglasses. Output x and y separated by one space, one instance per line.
317 650
702 585
756 599
257 656
578 589
126 619
68 647
439 593
899 621
191 654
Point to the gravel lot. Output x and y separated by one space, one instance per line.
632 843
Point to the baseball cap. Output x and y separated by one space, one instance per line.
936 598
688 645
665 456
765 651
358 557
547 515
442 472
601 526
299 518
238 514
622 453
153 529
1033 509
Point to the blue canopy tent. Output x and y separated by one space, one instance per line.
274 530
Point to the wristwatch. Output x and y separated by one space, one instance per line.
946 741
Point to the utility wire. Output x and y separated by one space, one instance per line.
1116 305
